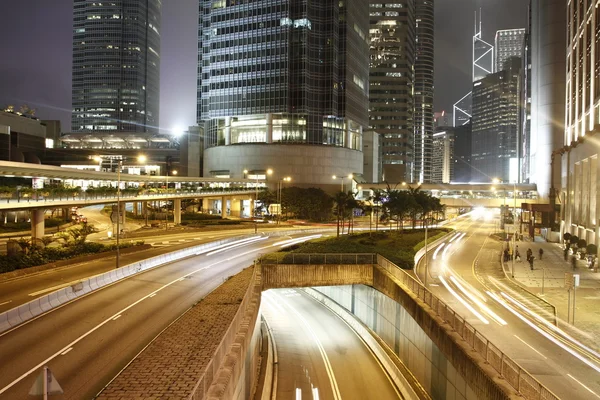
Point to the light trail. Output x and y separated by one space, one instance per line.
438 250
464 303
473 297
543 332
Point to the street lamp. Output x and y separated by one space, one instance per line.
268 172
279 198
495 180
140 158
350 176
174 172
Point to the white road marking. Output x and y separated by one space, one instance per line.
531 347
66 351
101 324
117 317
6 302
588 389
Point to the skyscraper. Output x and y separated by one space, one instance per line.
495 123
423 137
442 165
392 49
116 61
580 168
283 85
509 43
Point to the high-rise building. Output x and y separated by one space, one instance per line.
495 123
283 85
116 61
442 166
579 190
548 66
482 64
462 153
524 141
443 119
423 114
391 107
509 43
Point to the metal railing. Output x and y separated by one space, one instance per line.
517 377
319 258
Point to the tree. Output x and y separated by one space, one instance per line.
377 198
592 249
80 234
343 203
400 205
266 198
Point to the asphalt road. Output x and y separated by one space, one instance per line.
18 291
87 342
319 356
465 272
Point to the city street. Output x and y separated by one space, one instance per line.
465 272
320 355
87 342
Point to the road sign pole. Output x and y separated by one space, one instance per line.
574 295
569 307
45 383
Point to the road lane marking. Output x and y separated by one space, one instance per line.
101 324
6 302
117 317
328 367
66 351
588 389
531 347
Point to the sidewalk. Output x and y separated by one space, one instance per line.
551 271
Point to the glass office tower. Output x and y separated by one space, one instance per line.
279 73
116 61
391 108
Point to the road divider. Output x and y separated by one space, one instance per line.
33 309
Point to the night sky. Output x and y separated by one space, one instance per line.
35 54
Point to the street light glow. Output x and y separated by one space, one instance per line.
174 172
269 171
142 158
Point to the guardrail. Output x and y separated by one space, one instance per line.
517 377
318 258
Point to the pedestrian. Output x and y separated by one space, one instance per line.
518 256
541 252
573 261
529 254
565 253
531 262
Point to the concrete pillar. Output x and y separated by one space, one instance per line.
269 128
37 224
145 210
223 207
177 211
227 131
136 208
236 207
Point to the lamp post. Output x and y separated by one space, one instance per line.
174 172
141 158
119 210
279 198
350 176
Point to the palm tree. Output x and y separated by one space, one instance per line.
377 198
343 202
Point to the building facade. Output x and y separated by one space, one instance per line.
116 62
392 52
578 191
22 137
462 153
423 136
283 85
442 167
495 125
508 43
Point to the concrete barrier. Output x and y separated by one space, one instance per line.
16 316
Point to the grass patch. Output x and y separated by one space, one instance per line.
396 247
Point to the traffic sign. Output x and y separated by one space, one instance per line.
41 388
570 280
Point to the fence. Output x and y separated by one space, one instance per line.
319 259
517 377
